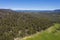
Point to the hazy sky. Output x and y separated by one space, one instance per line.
30 4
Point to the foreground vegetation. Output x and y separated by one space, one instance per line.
52 33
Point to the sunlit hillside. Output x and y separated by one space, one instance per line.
52 33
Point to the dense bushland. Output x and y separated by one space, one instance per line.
52 33
19 24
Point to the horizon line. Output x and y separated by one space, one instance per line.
28 9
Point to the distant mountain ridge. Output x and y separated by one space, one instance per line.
47 11
57 10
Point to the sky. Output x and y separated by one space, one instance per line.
30 4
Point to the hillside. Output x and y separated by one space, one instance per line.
20 24
52 33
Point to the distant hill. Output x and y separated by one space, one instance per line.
57 10
42 11
33 10
39 10
7 11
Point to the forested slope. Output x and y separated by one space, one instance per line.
19 24
52 33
